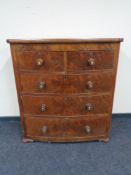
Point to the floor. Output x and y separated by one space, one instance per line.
88 158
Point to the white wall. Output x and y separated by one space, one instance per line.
64 19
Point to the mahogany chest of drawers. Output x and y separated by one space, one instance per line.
65 87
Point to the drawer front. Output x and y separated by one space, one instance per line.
88 83
66 127
41 61
70 105
89 60
39 83
74 83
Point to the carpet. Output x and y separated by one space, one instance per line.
87 158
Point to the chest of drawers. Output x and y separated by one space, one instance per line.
65 87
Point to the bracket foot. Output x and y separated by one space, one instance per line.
27 140
106 140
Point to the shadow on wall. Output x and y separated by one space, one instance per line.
8 96
122 98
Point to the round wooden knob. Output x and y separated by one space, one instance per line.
43 107
39 62
88 129
42 85
88 107
89 85
91 61
44 129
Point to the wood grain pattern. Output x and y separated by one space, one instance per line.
55 47
52 76
73 84
31 83
79 83
52 61
78 61
73 127
68 105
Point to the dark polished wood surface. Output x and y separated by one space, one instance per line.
65 87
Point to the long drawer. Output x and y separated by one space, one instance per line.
95 82
66 105
66 127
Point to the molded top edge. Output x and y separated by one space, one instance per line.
69 40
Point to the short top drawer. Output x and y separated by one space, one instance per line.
41 61
89 60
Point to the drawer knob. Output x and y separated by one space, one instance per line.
42 85
88 129
39 62
43 107
89 85
91 61
44 129
88 107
